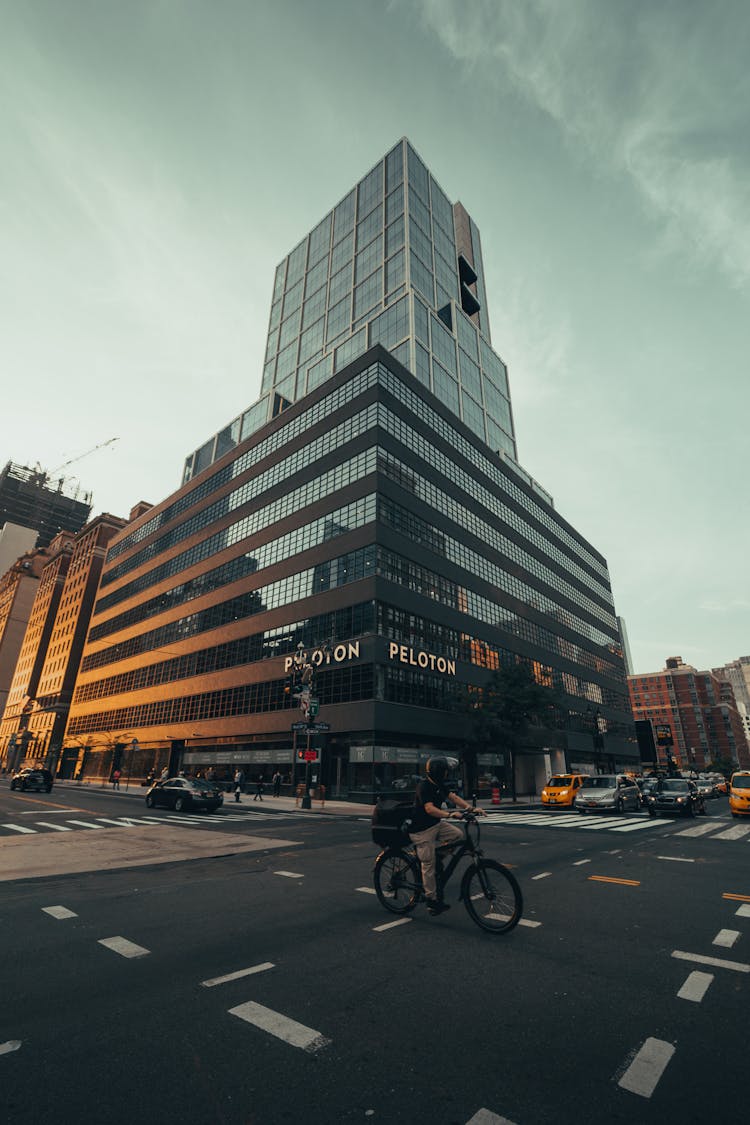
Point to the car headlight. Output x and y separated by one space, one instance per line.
681 800
563 792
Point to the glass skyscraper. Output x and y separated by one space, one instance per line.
394 263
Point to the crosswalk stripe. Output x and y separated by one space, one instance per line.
698 830
18 828
49 824
84 824
124 947
734 833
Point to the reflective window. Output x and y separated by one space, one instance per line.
370 191
369 227
470 377
369 294
296 264
395 272
445 387
394 167
421 278
443 345
316 277
343 217
342 254
394 237
418 177
368 259
394 205
472 414
319 241
339 318
467 336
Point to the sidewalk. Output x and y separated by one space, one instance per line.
287 804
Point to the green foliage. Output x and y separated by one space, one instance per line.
502 712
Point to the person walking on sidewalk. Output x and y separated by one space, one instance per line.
239 778
259 788
277 783
116 779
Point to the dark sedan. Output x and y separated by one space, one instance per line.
676 795
32 778
183 794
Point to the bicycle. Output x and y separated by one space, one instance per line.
489 891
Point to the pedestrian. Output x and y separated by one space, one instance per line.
259 788
164 774
277 784
239 778
116 779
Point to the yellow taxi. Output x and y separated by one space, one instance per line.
561 789
739 793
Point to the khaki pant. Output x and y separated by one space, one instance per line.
444 832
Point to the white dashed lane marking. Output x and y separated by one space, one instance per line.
744 910
59 912
289 874
238 975
124 947
717 962
643 1074
695 987
390 925
10 1045
542 875
726 938
296 1034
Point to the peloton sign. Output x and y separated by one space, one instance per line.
320 656
418 658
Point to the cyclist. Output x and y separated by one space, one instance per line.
430 825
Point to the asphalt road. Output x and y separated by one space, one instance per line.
258 986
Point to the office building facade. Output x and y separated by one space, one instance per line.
693 714
368 513
36 711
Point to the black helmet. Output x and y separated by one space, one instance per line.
437 770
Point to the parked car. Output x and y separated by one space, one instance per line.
739 793
607 791
183 793
676 795
561 789
31 777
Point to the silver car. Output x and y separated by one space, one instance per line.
607 791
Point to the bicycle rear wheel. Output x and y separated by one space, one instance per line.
492 896
397 881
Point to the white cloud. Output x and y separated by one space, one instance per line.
641 89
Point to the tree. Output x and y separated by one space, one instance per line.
502 712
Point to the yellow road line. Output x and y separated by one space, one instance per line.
736 898
609 879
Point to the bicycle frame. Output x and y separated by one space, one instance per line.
466 847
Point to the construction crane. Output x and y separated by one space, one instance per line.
80 456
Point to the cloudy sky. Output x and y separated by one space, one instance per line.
159 157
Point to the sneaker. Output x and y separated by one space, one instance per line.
434 907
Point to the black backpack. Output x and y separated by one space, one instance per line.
391 821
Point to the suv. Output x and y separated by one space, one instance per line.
612 791
676 795
32 777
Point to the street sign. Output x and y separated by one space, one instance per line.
314 707
311 728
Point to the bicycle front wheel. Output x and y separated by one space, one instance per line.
492 896
397 881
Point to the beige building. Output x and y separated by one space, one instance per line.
39 698
18 587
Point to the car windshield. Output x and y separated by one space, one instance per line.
601 782
674 785
741 782
559 782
